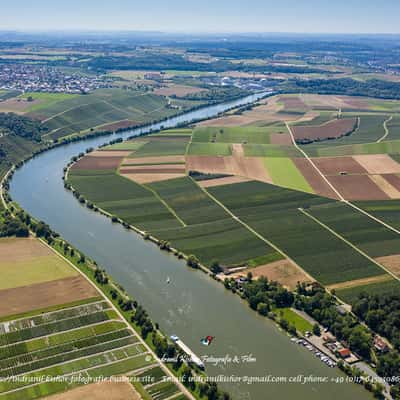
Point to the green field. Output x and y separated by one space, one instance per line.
273 212
73 114
237 134
284 173
29 267
163 146
393 127
129 145
301 324
270 150
124 198
209 149
383 288
44 101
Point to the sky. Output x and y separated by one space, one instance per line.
298 16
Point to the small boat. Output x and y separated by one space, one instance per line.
168 280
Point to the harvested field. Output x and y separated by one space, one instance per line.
154 160
392 263
95 163
384 185
336 165
227 180
292 102
281 138
357 187
332 129
360 282
178 90
315 180
282 271
394 180
110 153
237 164
153 177
100 391
42 295
17 105
28 261
378 163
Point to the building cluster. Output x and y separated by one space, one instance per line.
252 84
31 78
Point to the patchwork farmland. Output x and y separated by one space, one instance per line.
248 197
55 324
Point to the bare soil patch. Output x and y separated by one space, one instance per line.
22 250
331 130
336 165
360 282
46 294
357 187
100 391
281 138
227 180
17 105
178 90
318 184
282 271
97 162
154 160
378 163
292 102
153 177
384 185
237 164
393 179
392 263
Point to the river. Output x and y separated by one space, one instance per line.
192 305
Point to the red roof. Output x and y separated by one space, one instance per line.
344 353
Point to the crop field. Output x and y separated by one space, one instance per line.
87 339
248 134
209 149
28 261
65 114
330 130
163 146
393 127
124 198
270 150
284 172
274 213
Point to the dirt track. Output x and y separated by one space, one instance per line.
318 184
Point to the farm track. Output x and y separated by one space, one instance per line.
341 198
333 232
253 231
386 129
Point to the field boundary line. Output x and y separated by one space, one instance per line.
386 129
336 191
253 231
316 220
170 209
311 162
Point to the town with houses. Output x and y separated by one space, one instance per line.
31 78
